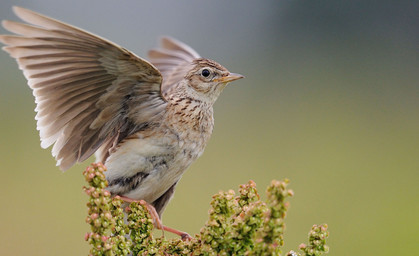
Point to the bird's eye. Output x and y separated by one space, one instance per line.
205 73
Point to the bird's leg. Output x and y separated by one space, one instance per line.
156 219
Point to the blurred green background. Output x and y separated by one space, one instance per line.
330 101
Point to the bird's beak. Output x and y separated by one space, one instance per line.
231 77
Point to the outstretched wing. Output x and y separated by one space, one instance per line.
173 59
88 90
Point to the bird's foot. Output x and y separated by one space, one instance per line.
156 219
183 235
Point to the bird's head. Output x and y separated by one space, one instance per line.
207 79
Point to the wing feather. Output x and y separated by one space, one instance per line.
88 90
173 59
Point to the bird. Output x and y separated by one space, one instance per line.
147 121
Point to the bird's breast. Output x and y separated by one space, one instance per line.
191 120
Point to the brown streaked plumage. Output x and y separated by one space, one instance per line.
147 121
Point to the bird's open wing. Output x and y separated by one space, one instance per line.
173 59
87 90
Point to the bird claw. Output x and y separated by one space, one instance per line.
183 235
186 237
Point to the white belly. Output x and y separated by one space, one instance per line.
161 161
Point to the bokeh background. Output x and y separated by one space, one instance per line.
330 101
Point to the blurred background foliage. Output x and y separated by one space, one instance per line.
330 101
